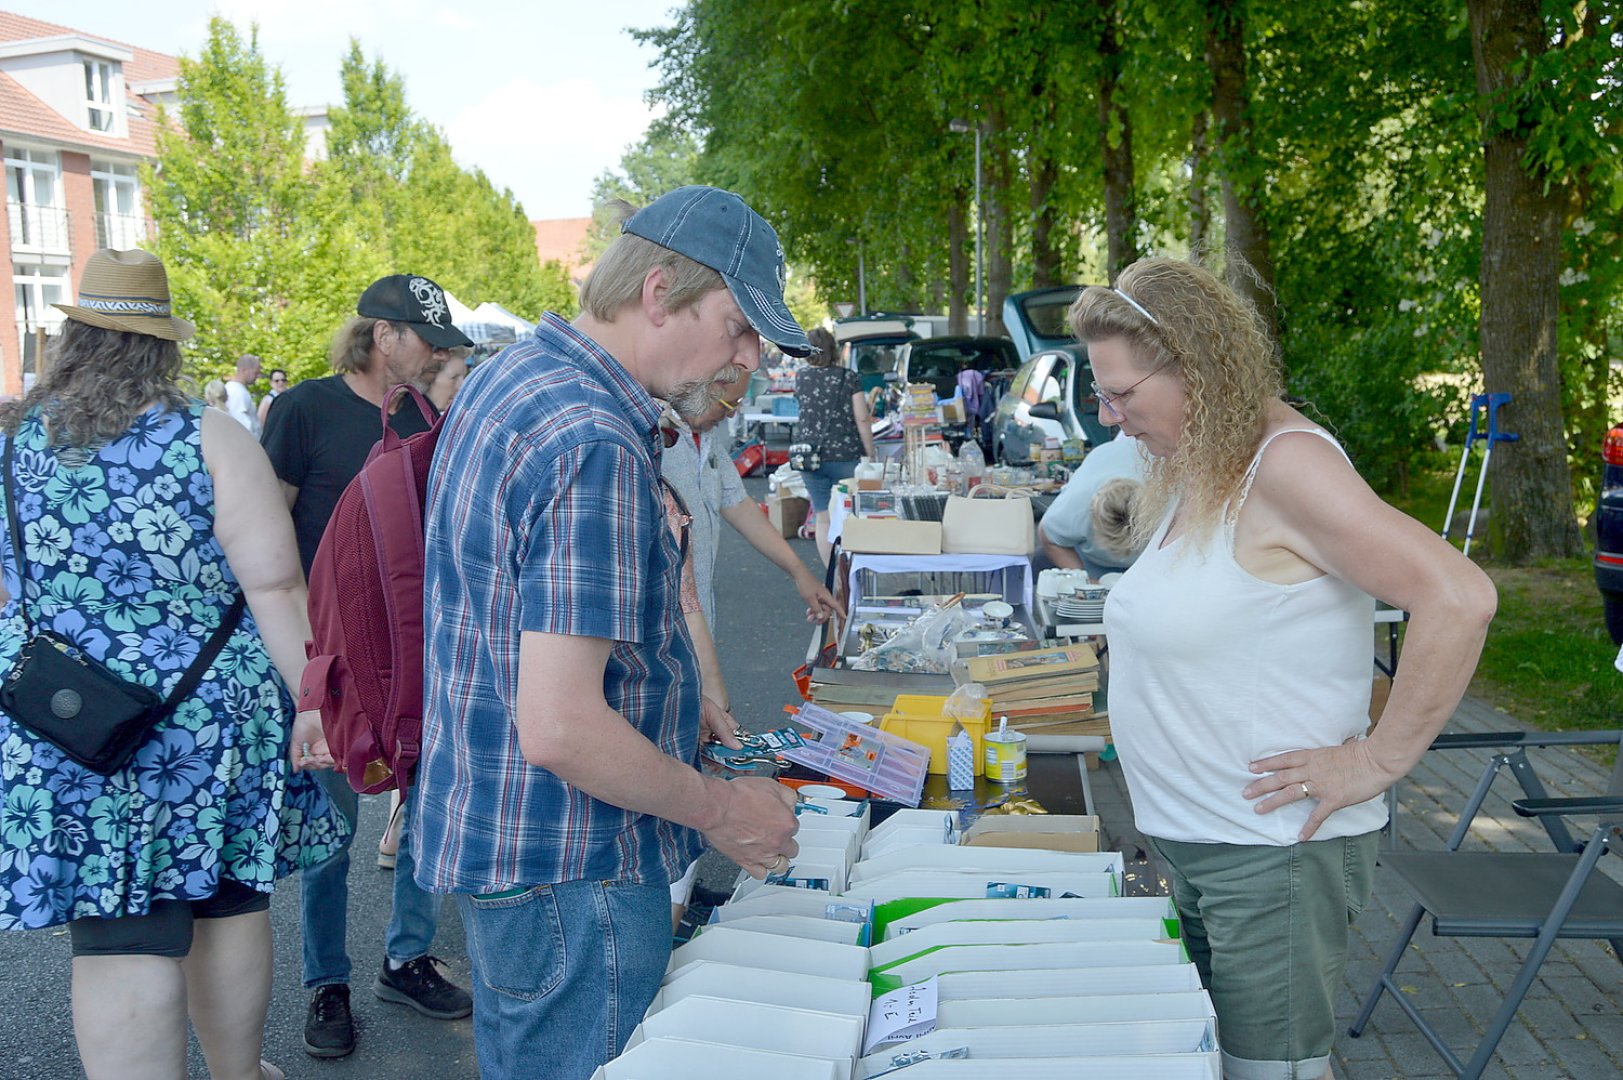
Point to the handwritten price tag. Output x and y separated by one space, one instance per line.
901 1015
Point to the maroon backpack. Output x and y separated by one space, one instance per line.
366 612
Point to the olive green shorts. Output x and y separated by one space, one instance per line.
1267 928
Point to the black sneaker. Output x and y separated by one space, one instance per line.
329 1030
417 984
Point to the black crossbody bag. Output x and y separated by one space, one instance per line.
68 699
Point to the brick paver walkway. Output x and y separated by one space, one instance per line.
1571 1023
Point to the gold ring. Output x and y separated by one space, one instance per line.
778 862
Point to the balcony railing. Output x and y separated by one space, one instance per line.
122 231
39 228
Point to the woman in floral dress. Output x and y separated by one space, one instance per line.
142 515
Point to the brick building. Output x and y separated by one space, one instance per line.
78 114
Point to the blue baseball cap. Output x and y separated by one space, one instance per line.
717 229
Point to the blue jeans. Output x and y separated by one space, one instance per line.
324 891
563 973
821 480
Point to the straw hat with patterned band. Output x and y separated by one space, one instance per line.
129 291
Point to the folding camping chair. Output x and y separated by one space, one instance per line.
1543 896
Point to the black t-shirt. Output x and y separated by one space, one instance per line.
318 436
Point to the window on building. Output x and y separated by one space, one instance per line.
99 94
34 200
37 287
119 223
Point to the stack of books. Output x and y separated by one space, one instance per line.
1048 691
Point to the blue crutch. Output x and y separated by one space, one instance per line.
1487 435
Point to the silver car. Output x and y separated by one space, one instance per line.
1050 398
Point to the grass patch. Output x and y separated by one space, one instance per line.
1548 658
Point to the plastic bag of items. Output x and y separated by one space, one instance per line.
923 646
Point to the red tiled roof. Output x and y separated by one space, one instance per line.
562 239
145 65
24 114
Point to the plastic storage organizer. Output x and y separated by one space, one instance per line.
885 764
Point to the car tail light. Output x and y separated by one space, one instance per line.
1611 451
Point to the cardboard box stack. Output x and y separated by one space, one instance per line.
942 959
1045 691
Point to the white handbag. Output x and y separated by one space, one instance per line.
1004 526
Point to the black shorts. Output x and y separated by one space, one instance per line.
165 930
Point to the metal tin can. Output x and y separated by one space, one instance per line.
1005 756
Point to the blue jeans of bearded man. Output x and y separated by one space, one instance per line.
324 891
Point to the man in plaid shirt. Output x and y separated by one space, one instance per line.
558 788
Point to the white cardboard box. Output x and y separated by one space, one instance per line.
683 1059
1085 1009
1207 1066
972 886
994 860
1023 957
1014 932
1103 981
775 900
1113 907
726 945
1058 1040
811 992
841 933
756 1026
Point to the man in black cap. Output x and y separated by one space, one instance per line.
318 437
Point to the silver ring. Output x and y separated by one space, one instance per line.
1306 794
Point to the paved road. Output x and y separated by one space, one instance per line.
1571 1027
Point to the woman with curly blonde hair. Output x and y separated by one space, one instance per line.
1240 648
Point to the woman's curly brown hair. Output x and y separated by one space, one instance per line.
96 382
1214 340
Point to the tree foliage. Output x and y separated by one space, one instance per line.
267 251
1339 146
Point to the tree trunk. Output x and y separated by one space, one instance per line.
1200 210
1045 254
1249 265
1521 262
1043 169
999 222
958 268
1115 151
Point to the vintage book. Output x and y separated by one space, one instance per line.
994 648
1092 725
1072 703
1075 684
1040 664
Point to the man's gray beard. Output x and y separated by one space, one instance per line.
691 400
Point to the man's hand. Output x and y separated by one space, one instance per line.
820 603
717 724
757 829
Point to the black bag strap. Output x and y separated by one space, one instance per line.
194 672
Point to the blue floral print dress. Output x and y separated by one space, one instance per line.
122 560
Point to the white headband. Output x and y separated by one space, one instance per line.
1138 307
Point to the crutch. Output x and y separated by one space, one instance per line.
1489 404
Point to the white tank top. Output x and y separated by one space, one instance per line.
1212 668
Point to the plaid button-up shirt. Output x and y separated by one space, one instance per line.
545 514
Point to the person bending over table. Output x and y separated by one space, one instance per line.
1240 655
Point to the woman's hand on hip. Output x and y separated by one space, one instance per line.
1330 779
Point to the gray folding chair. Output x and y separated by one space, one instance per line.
1543 896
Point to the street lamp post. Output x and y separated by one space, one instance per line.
961 127
862 277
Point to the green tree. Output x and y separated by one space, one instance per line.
228 195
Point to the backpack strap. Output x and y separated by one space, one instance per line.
390 438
